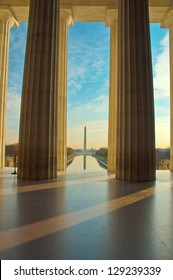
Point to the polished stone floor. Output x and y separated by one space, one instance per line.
86 215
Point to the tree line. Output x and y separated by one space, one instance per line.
12 150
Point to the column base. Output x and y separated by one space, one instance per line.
34 178
61 169
171 166
137 181
111 169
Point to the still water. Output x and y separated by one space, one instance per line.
84 163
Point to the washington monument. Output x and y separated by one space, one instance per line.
84 149
85 140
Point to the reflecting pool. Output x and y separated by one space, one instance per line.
84 163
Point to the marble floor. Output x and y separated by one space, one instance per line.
86 215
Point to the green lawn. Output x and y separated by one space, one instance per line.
105 159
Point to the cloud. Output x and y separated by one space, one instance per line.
93 114
15 78
88 84
76 76
162 95
98 105
88 70
18 38
162 71
13 103
87 61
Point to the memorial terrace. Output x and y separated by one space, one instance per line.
86 216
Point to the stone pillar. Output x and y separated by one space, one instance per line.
135 133
6 22
168 23
38 123
112 22
171 93
65 21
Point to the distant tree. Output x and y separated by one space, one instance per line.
162 154
102 152
167 153
11 150
70 151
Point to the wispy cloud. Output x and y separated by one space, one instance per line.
88 71
97 105
88 84
87 60
13 103
162 71
162 94
15 78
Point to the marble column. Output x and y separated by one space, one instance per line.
135 128
65 21
38 122
171 93
6 22
168 23
112 22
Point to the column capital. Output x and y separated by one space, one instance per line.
111 15
168 19
67 15
8 17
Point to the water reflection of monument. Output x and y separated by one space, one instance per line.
84 149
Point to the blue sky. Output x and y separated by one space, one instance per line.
88 83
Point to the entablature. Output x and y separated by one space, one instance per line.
86 10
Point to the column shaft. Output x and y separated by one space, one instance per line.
135 133
38 123
113 86
6 23
65 20
171 94
167 22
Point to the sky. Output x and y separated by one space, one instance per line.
88 83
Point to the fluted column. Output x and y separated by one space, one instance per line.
112 22
168 23
6 22
38 123
135 133
171 93
65 21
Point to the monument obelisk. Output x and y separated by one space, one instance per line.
85 139
84 157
